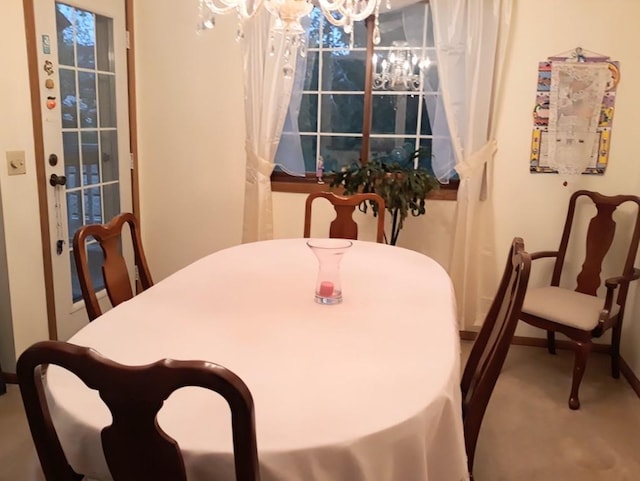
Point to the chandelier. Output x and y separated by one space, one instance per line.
341 13
401 70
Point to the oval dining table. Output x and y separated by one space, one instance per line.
365 390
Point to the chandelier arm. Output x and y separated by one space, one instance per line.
231 5
338 22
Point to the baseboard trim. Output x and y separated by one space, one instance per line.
626 371
630 376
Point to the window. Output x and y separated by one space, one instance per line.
346 117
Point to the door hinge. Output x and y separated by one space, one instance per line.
131 160
136 273
128 39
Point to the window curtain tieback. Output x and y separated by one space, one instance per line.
257 166
476 161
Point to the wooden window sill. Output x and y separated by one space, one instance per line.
305 185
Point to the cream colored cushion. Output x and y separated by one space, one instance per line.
566 307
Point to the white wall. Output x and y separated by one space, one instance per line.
534 205
19 193
191 134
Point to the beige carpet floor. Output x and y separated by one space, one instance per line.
529 433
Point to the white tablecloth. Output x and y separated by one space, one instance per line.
364 390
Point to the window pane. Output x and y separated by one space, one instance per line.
338 152
308 116
395 151
391 28
395 114
68 97
309 152
343 71
342 113
90 161
109 157
311 74
425 161
334 37
71 151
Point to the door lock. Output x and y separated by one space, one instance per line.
55 180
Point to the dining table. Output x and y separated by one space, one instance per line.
364 390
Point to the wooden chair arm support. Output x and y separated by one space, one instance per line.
616 281
543 254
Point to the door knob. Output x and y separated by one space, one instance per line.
57 180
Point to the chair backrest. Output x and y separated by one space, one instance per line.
343 226
114 268
600 236
135 447
492 344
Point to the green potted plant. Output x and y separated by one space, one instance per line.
402 186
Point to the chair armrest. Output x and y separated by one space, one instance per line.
614 282
543 254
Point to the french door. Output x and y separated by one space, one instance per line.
83 92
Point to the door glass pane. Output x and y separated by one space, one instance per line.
74 213
64 26
89 127
111 200
92 206
107 96
90 165
109 149
104 43
87 103
71 159
95 257
69 108
85 39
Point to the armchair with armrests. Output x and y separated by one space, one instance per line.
582 313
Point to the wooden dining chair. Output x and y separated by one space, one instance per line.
343 226
492 344
114 268
582 313
134 445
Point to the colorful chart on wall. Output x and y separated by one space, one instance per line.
573 113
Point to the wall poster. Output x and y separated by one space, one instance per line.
573 113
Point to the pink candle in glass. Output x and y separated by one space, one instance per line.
326 289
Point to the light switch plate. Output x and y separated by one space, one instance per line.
16 163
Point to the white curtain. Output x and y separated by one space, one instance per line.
471 38
267 94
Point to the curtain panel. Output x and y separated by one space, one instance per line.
471 38
267 95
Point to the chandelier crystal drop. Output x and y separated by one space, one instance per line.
288 13
401 70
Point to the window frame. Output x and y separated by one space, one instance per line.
283 182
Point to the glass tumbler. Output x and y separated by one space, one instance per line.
329 253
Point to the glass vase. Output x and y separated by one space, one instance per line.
329 253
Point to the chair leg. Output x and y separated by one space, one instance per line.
551 342
582 352
616 331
